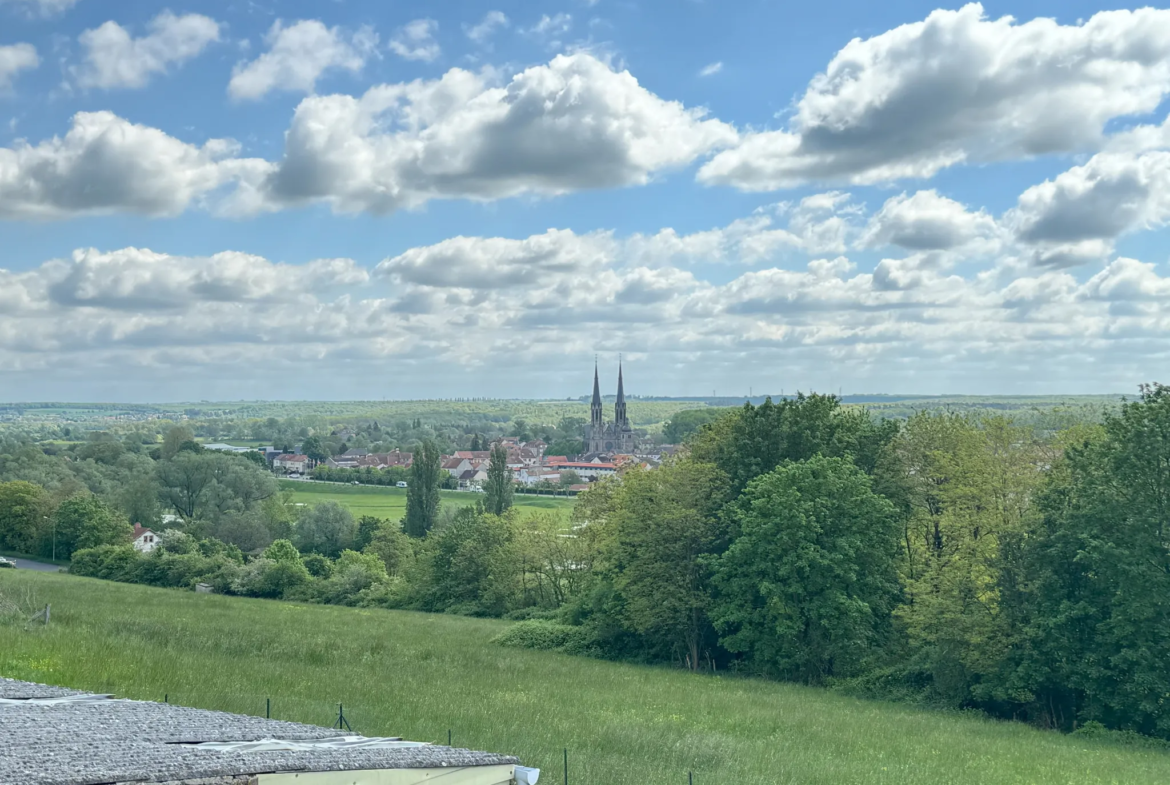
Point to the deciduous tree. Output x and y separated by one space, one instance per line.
806 590
498 488
24 508
327 528
87 522
422 493
666 527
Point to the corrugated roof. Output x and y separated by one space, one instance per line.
89 743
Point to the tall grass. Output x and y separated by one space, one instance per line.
418 675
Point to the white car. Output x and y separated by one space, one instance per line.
401 485
7 564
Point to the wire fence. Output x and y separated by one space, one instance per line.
351 718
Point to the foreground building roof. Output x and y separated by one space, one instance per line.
54 736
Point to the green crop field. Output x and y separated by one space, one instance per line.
384 502
418 675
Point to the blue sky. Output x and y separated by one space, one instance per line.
355 200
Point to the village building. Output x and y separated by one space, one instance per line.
145 540
364 459
587 470
219 447
290 463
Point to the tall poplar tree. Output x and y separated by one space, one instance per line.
422 491
499 482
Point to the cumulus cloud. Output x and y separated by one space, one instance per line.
927 221
550 300
1076 216
416 41
491 22
569 125
140 279
106 164
14 59
298 55
115 59
497 262
959 87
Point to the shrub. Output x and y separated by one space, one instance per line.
283 550
109 562
353 574
226 573
267 578
544 635
317 565
534 612
177 542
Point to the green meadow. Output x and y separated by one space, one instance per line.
386 502
418 675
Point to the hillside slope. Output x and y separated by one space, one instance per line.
418 675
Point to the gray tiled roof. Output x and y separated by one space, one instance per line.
11 688
136 741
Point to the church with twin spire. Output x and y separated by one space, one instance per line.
609 438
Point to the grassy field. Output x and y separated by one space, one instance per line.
383 502
418 675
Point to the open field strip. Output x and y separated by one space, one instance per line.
418 675
388 502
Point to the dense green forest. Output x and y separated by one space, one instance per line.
1012 562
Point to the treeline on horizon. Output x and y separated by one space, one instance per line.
452 427
1009 564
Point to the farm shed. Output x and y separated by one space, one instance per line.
54 736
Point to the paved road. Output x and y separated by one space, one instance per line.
25 564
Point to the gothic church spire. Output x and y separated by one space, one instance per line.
595 408
619 413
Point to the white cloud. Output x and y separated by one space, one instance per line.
1076 216
712 69
106 164
497 262
139 279
927 221
416 41
114 59
959 87
552 25
491 22
544 304
549 29
44 8
298 55
570 125
13 60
